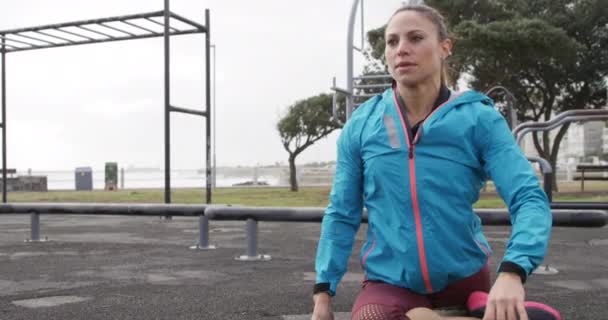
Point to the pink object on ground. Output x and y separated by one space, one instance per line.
476 305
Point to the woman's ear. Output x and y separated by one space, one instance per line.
446 47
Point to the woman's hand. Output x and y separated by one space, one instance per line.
322 310
506 299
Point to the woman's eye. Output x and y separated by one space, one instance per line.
417 38
391 42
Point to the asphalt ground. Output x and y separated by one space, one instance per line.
115 267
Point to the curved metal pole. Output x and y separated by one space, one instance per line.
511 108
552 125
349 58
547 171
578 112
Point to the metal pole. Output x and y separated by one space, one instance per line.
214 133
4 182
252 243
203 234
252 238
349 59
208 103
167 107
35 226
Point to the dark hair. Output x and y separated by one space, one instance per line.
437 19
430 13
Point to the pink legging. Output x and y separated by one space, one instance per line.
382 301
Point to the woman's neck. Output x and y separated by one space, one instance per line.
419 99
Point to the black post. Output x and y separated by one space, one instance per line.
548 185
208 98
167 108
4 184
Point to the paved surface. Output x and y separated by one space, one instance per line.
142 268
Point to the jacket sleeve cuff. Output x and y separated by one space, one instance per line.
508 266
323 287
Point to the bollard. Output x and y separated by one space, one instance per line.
252 244
35 228
203 234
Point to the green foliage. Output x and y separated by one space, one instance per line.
306 122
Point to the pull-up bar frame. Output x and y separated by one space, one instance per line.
105 30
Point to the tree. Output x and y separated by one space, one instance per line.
306 122
552 55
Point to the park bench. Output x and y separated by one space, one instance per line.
582 168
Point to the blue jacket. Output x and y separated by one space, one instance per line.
422 232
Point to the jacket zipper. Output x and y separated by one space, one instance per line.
412 165
417 216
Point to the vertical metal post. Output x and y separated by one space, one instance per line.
4 182
214 132
252 243
167 107
35 226
252 238
547 185
349 59
208 103
203 234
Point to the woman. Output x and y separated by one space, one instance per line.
416 158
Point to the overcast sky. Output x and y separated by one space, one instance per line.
85 105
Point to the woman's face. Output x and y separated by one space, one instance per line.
413 51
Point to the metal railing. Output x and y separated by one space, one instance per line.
496 217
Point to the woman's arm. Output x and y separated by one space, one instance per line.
343 215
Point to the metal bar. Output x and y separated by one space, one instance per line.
4 184
208 103
167 105
4 45
203 235
114 209
574 205
190 22
373 76
372 86
554 124
559 117
76 34
17 41
349 58
547 171
140 27
163 25
56 37
34 38
189 111
252 238
365 95
564 218
91 21
511 106
97 32
35 227
214 113
116 29
145 36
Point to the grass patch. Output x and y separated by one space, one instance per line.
256 196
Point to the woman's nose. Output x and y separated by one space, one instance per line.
403 49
